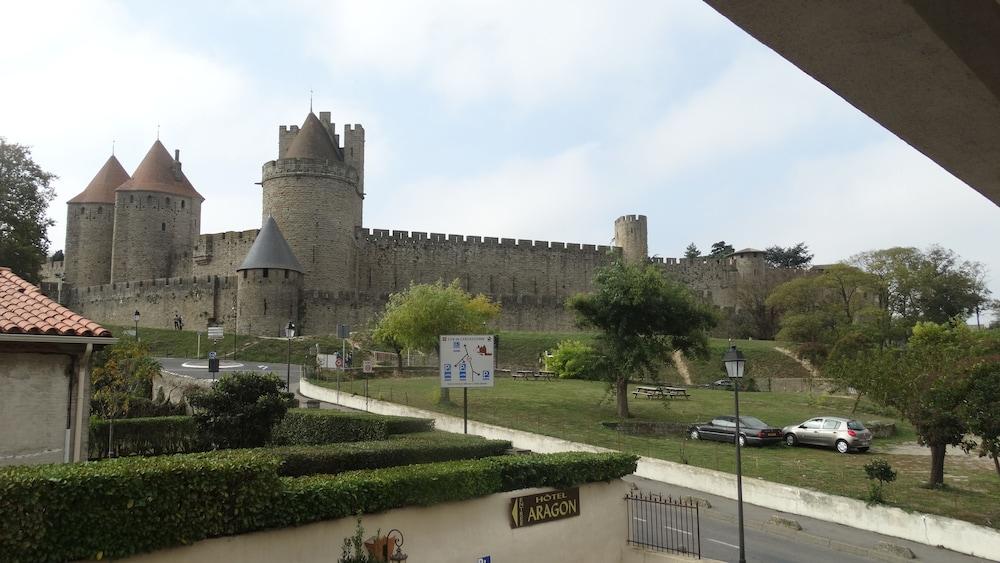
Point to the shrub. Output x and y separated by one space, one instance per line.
240 410
121 507
573 359
337 458
879 472
122 375
143 436
315 426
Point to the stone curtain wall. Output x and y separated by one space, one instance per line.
389 260
196 299
219 254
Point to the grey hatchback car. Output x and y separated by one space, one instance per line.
844 434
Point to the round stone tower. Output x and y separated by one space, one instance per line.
90 227
749 262
269 285
630 235
157 218
314 191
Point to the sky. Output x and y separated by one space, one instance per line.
518 119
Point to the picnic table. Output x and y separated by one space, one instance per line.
530 375
660 392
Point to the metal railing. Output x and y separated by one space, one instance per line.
663 524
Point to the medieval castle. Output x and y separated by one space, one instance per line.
133 243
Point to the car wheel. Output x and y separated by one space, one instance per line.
791 440
743 441
694 435
862 450
842 446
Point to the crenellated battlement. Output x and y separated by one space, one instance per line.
309 167
183 283
406 237
631 219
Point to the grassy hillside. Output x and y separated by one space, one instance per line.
763 361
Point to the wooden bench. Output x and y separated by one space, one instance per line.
529 375
660 392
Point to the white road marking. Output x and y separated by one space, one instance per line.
676 530
723 543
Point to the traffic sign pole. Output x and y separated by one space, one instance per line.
465 410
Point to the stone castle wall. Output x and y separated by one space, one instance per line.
90 263
268 299
219 254
154 235
389 260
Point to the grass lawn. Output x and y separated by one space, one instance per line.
573 410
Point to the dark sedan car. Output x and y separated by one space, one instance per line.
753 431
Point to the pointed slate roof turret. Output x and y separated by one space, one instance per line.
102 188
158 172
313 141
270 250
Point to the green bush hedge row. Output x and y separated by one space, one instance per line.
144 436
124 506
401 450
315 426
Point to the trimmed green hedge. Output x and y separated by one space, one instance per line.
144 436
316 426
402 450
120 507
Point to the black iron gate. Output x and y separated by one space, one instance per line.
663 524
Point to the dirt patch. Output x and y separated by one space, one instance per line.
682 367
954 454
805 363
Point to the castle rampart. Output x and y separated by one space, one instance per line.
219 254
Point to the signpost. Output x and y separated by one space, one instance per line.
215 334
368 367
467 360
544 507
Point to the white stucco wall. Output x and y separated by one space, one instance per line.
458 531
34 397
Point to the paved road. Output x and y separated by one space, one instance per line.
773 544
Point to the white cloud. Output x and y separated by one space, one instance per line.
758 102
554 198
530 52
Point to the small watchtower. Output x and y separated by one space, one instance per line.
269 284
630 235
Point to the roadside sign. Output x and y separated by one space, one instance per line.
467 360
213 365
215 333
368 367
343 331
340 362
213 355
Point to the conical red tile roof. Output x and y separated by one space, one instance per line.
25 310
313 141
158 173
102 188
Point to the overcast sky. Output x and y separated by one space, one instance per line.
543 120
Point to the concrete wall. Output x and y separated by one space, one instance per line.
176 386
389 260
956 535
458 531
34 405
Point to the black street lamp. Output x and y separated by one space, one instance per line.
135 317
289 335
735 366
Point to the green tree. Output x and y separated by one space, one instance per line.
122 375
240 409
573 359
797 256
25 193
927 381
981 408
720 249
692 252
642 317
414 318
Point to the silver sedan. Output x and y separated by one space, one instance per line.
844 434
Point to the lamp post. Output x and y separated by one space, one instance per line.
289 335
135 317
735 365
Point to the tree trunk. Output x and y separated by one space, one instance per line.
621 390
445 397
937 464
996 463
856 401
399 362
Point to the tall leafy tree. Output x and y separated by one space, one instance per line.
642 317
721 249
692 251
797 257
414 318
25 193
981 408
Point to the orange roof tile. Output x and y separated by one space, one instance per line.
159 173
25 310
102 188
